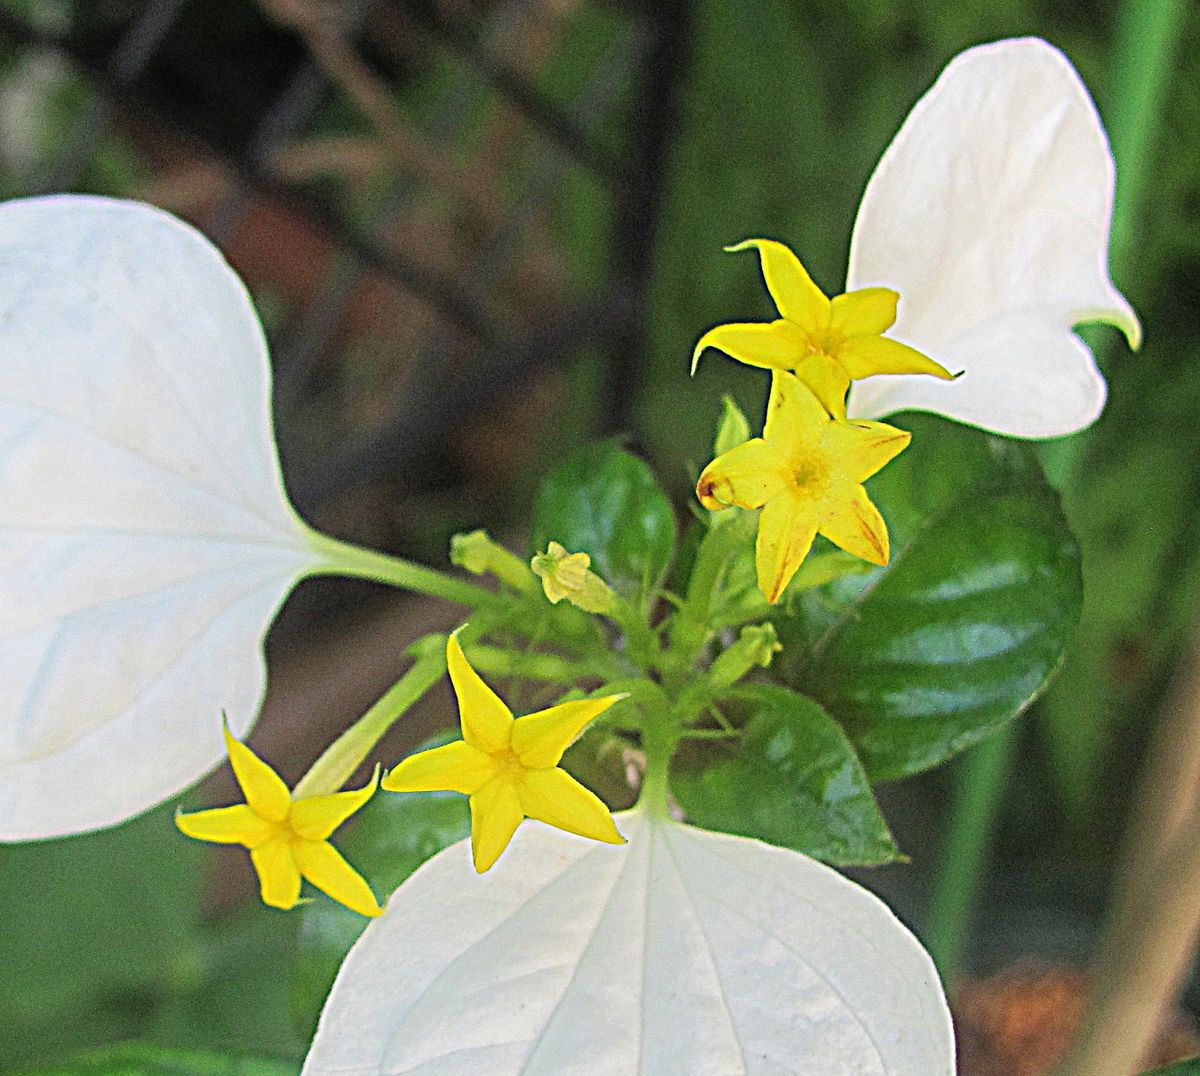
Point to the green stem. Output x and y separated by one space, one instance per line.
980 779
343 558
342 757
526 665
1148 35
659 740
691 627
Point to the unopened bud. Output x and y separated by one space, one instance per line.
477 553
755 647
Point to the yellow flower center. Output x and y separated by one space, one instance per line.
810 477
508 765
825 343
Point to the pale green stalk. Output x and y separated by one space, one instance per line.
343 558
525 665
978 790
342 757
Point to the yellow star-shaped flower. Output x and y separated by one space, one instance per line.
826 342
509 766
287 837
806 474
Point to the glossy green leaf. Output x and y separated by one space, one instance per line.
791 778
605 502
968 622
391 837
151 1059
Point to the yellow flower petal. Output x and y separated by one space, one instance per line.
456 767
540 739
265 792
567 577
316 817
865 356
486 721
795 418
553 796
495 814
864 447
747 476
774 345
278 875
324 866
226 825
786 530
867 310
796 296
855 524
828 381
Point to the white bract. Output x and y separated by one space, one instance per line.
989 213
146 541
680 952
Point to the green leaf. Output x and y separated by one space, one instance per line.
1190 1067
232 994
97 930
604 502
391 837
150 1059
969 621
791 778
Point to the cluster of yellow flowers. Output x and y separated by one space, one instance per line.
507 766
806 471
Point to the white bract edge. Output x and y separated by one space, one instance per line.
682 952
989 213
146 541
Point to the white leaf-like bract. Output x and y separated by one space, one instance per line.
682 952
989 213
146 541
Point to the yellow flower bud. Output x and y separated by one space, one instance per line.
569 575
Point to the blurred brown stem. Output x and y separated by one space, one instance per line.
1149 941
410 150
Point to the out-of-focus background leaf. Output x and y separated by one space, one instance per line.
482 234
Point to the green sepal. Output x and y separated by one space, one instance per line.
732 427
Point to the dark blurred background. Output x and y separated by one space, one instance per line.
482 233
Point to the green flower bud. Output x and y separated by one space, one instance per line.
732 427
477 553
755 647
